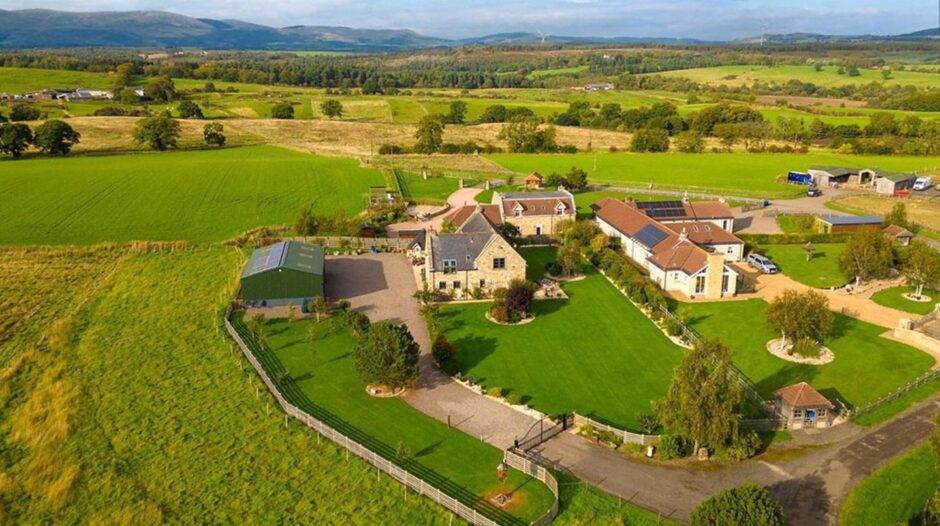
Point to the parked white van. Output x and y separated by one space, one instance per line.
923 183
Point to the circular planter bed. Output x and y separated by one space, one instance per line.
565 279
381 391
910 296
775 348
520 322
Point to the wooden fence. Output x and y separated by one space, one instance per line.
923 379
763 424
418 484
627 436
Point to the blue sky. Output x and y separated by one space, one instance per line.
716 19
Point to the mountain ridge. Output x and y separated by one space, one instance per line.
47 28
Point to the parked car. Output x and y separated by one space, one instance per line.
923 183
813 191
761 263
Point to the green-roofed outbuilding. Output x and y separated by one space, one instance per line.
288 272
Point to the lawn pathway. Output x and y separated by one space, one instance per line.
381 286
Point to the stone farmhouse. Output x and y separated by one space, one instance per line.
476 256
685 247
536 213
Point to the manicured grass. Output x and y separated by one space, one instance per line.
594 353
324 373
753 174
893 298
485 197
866 366
148 415
821 271
196 196
895 494
794 224
430 190
908 399
924 212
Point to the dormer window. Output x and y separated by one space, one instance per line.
560 209
517 210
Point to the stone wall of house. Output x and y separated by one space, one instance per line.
528 225
484 272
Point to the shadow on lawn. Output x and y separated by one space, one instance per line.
472 350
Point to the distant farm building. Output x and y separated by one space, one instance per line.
837 224
533 181
285 273
891 183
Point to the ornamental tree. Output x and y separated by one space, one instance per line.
702 402
748 504
922 266
387 354
867 255
55 137
800 315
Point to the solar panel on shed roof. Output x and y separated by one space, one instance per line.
650 236
266 258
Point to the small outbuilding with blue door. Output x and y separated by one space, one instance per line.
285 273
802 407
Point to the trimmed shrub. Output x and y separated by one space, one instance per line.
671 447
514 398
745 445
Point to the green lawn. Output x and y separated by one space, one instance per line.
431 190
594 353
325 383
821 271
751 174
197 196
895 494
866 366
893 298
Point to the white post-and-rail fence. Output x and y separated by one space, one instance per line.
929 376
627 436
400 474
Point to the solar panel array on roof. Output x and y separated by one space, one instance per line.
267 259
657 209
650 236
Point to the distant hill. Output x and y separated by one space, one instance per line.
35 28
804 38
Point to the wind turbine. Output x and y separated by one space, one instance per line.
763 29
542 36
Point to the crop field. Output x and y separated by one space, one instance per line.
866 366
139 411
894 494
828 77
616 366
752 174
194 196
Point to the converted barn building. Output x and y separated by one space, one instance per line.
285 273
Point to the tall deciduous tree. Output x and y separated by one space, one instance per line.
457 112
800 315
24 112
703 399
214 134
748 504
160 89
867 255
15 138
387 355
525 136
282 110
897 215
569 258
922 266
332 108
190 110
430 134
159 132
55 137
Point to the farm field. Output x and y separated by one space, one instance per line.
325 384
196 196
892 297
822 271
924 212
618 363
828 77
752 174
143 413
894 494
866 366
23 80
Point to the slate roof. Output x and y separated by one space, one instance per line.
460 215
852 220
463 246
289 254
802 395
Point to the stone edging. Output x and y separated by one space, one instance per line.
825 354
530 319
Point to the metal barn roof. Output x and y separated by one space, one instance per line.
852 220
286 254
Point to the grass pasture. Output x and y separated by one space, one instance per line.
894 494
924 212
146 414
195 196
752 174
618 363
866 366
325 383
433 190
828 77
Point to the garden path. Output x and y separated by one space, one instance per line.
463 196
381 286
